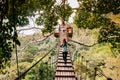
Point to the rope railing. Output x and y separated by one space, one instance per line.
23 74
82 43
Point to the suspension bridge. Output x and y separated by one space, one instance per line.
63 71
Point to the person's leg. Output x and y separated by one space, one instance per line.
65 57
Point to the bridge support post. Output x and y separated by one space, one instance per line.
95 69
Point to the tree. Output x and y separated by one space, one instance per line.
50 15
93 14
15 13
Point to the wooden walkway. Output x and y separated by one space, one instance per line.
64 71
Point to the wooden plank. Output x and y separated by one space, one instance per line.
64 64
62 61
68 58
64 68
64 78
64 74
61 55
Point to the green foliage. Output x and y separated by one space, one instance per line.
42 71
95 57
26 57
32 49
50 14
23 66
93 14
110 34
102 50
89 6
48 19
63 11
111 67
16 12
87 20
5 55
13 13
107 6
101 6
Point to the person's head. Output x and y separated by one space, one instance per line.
64 40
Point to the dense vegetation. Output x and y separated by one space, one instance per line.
93 14
15 13
99 57
92 24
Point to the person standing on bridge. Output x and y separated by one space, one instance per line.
64 50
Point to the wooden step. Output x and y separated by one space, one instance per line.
64 74
61 55
64 65
62 61
65 78
60 52
61 58
64 68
